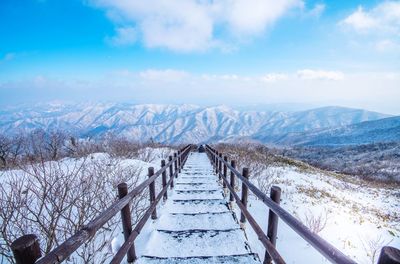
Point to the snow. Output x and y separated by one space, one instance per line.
195 223
108 170
177 123
360 219
238 259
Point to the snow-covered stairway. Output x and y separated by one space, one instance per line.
195 224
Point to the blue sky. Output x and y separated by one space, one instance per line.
203 52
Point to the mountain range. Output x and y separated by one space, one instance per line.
196 124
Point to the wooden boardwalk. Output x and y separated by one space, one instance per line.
196 224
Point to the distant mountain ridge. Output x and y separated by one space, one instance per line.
382 130
180 123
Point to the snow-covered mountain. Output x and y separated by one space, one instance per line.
382 130
177 123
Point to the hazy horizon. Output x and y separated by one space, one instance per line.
300 52
278 107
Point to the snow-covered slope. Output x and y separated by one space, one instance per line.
383 130
176 123
358 218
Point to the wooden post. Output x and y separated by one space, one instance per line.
220 166
245 193
215 159
389 255
164 179
26 249
232 181
171 171
152 193
225 173
179 161
216 162
126 221
183 158
275 196
176 165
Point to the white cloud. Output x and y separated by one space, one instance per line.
254 16
386 45
124 36
360 21
167 75
317 10
383 18
308 74
371 90
273 77
378 27
191 25
224 77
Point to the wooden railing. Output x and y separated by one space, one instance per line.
26 249
389 255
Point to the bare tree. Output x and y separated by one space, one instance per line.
373 246
5 150
55 143
54 199
123 147
316 223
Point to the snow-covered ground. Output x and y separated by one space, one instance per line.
360 218
356 219
92 186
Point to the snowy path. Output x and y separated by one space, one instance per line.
195 224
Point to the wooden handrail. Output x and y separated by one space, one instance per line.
257 229
26 248
63 251
325 248
128 243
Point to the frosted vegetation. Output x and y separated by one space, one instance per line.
374 162
52 184
358 217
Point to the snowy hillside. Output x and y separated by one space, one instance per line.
357 218
176 123
383 130
88 185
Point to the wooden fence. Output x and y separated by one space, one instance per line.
26 249
389 255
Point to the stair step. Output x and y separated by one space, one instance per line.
192 243
200 187
203 221
199 206
196 180
202 173
197 231
190 176
209 184
234 259
197 191
198 194
195 224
